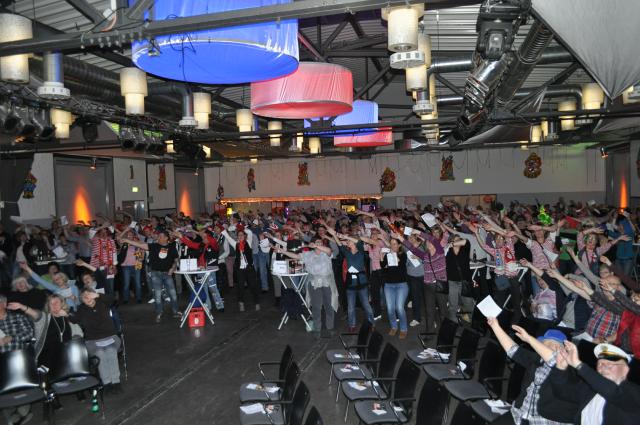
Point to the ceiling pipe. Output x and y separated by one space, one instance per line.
182 90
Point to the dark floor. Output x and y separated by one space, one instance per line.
184 376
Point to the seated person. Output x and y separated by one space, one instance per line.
61 285
596 397
94 317
24 293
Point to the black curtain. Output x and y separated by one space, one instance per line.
13 171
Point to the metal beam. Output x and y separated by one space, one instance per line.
336 32
449 85
137 10
87 10
294 10
310 47
372 81
384 86
556 79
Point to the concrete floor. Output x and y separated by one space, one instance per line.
184 376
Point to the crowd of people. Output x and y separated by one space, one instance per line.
569 265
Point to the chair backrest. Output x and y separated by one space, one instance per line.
468 348
290 381
295 413
115 318
285 361
492 364
405 384
585 352
478 321
313 417
72 360
363 333
432 403
375 345
447 334
464 415
18 371
387 365
515 382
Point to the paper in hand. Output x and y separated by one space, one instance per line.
407 230
133 224
392 259
64 220
488 307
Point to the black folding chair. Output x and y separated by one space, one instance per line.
71 372
444 343
490 377
20 384
260 392
363 368
282 412
466 353
397 409
482 409
350 351
119 326
282 364
464 415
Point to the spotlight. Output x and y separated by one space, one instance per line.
127 138
140 142
603 152
94 163
44 129
9 120
195 172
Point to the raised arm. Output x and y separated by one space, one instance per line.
229 238
583 268
81 263
138 244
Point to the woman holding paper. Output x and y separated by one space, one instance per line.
459 277
61 286
356 282
396 290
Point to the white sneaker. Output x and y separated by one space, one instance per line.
414 323
410 304
151 301
375 319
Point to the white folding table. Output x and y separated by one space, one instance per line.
288 281
201 276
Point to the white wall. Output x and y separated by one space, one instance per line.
565 170
122 182
161 199
43 204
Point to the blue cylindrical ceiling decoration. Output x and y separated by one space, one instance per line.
230 55
364 112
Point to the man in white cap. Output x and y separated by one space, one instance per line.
598 398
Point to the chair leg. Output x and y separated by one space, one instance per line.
101 391
330 374
346 411
338 391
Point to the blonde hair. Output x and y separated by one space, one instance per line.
64 277
64 304
15 281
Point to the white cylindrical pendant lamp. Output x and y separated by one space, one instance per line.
592 96
416 78
61 120
567 122
314 145
274 139
244 120
14 68
133 86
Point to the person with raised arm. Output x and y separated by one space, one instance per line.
356 282
243 268
61 285
163 260
322 289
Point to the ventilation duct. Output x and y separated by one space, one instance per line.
188 119
53 87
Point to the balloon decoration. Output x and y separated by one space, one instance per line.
29 186
388 180
303 174
446 172
162 178
251 180
220 193
532 166
543 217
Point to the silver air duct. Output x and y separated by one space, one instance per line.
53 87
183 90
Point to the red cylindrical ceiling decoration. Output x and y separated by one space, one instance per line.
314 90
383 137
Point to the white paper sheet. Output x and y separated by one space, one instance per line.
413 259
385 250
251 409
352 270
429 219
392 259
64 220
105 342
368 225
407 230
133 224
488 307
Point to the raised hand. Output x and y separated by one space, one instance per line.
572 354
521 333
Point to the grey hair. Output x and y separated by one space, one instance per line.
15 281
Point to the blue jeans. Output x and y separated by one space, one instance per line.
363 295
261 262
129 272
212 284
626 264
159 280
396 294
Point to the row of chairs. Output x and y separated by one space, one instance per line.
283 400
22 383
365 375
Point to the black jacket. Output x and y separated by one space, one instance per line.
565 394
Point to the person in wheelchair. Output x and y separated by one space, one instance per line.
101 337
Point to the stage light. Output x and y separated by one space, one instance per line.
94 163
195 172
603 152
127 137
